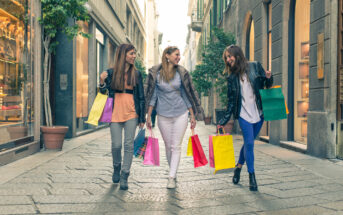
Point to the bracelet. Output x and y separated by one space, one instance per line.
102 85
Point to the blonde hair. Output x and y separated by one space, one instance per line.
118 79
165 74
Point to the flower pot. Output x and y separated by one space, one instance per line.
208 120
53 137
17 132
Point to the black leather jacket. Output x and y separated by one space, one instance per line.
258 81
138 93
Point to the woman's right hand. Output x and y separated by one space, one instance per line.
103 76
148 122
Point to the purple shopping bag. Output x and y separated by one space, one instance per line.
152 152
107 113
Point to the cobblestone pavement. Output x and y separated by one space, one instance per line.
77 180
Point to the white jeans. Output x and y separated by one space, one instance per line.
173 129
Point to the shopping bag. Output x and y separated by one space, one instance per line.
139 141
210 149
223 152
141 150
279 86
189 147
97 109
273 103
107 112
199 157
152 152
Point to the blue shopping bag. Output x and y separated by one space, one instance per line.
139 141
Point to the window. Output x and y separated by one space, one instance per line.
269 32
16 75
82 79
99 54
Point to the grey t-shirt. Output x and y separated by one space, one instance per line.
170 98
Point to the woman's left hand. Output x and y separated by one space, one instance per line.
141 125
268 74
193 122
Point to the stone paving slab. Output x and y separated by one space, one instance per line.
77 180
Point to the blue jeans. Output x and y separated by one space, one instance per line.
250 131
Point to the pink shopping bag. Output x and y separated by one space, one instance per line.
211 152
107 112
152 152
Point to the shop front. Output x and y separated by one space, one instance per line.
19 58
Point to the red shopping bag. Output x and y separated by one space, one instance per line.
199 157
152 151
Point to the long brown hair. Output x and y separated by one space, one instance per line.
241 63
165 74
118 79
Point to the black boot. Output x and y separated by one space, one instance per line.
116 173
123 180
236 175
252 182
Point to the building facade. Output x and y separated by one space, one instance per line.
298 40
20 75
78 63
201 15
153 35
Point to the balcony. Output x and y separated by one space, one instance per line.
196 24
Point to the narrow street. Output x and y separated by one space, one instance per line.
77 180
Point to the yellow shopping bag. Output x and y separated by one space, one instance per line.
223 152
189 147
97 109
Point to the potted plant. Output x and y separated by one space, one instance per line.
56 16
209 73
203 83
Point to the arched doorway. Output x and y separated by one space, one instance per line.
250 40
299 69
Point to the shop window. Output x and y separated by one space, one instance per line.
252 42
99 54
82 79
301 69
16 83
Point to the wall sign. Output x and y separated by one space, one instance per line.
63 81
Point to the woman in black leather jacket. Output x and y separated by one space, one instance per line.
244 103
124 83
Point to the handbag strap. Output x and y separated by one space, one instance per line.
220 128
193 132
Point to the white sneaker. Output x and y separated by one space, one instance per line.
171 183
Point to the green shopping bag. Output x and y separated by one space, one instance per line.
97 109
273 103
